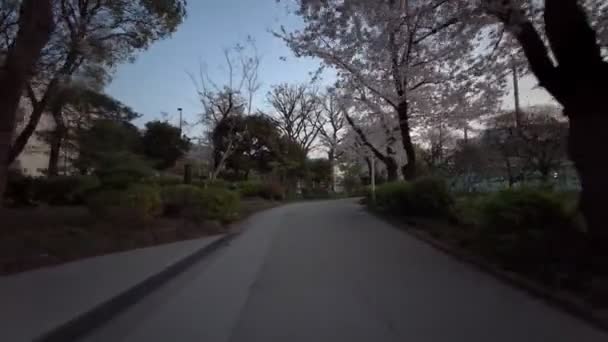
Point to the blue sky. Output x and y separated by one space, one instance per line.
158 80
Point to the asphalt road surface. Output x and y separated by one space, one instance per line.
329 271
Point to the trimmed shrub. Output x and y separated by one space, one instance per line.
65 190
392 197
143 199
120 170
104 203
199 204
362 191
216 184
182 200
426 197
250 189
19 189
220 204
166 181
139 203
269 191
273 191
313 194
528 230
468 210
519 209
431 197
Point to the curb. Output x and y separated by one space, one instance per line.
85 323
565 303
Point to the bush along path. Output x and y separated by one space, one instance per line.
533 238
97 217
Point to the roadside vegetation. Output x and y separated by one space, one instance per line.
123 202
534 231
118 186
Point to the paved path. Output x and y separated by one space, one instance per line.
32 303
328 271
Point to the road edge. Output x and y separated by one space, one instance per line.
560 301
100 314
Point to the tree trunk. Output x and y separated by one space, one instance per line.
585 151
39 107
35 27
188 174
331 156
578 82
575 73
581 86
516 97
510 176
388 161
409 169
55 145
56 142
392 170
368 162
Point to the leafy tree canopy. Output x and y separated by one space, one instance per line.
103 139
163 144
254 141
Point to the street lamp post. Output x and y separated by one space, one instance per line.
187 166
373 176
180 110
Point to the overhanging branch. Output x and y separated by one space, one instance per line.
364 139
436 30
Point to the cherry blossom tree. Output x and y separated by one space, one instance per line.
400 51
371 132
331 128
355 155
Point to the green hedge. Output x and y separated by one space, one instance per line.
362 191
537 232
425 197
19 190
121 170
163 181
59 190
218 183
529 230
269 191
250 189
183 200
137 204
468 210
220 204
199 204
65 190
313 194
519 209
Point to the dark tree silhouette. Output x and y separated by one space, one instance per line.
163 144
35 28
573 70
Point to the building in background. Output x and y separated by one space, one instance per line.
34 160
